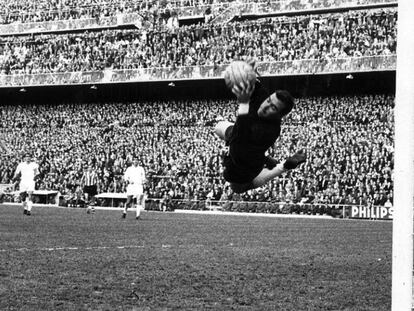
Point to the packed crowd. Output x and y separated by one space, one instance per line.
274 6
44 11
349 141
14 11
322 37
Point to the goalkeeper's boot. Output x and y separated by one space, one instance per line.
25 212
295 160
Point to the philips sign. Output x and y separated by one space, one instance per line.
372 212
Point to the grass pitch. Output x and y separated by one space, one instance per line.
64 259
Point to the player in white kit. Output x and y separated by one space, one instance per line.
27 171
135 178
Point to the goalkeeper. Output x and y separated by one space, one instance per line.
256 129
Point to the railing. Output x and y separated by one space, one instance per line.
199 11
269 7
280 68
68 25
131 6
286 6
227 14
101 22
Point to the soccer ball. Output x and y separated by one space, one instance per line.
238 72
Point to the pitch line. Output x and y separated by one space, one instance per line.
70 248
94 248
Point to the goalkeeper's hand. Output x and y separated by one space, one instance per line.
252 62
243 92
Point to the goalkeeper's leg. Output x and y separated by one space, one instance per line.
290 163
267 174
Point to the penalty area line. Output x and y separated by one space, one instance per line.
70 248
95 248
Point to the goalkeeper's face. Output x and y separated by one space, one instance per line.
271 108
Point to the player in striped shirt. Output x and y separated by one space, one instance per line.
89 182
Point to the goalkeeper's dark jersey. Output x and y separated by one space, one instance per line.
248 141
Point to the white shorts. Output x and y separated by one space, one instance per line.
135 190
27 186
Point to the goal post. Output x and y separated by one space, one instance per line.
402 237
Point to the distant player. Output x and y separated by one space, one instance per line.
135 179
259 118
27 172
89 182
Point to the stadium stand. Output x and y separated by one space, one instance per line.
319 37
55 11
352 134
349 140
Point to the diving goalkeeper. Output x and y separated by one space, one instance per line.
259 118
